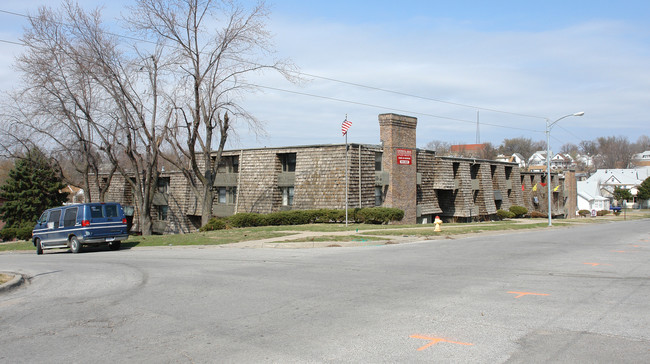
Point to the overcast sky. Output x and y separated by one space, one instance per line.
509 64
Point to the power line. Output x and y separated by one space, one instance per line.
338 80
386 108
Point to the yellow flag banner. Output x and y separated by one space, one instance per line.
556 188
535 187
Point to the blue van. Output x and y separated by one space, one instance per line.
82 224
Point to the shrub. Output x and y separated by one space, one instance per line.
214 224
24 232
518 211
505 214
584 213
537 214
247 219
602 212
8 233
379 215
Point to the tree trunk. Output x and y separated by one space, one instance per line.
206 206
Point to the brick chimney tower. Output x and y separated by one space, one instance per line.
397 133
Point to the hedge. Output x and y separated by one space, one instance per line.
584 213
518 211
505 214
214 224
372 215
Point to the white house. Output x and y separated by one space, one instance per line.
600 186
515 157
561 162
642 159
537 161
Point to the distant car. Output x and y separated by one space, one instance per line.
77 225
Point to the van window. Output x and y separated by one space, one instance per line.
43 218
54 217
111 210
96 212
70 217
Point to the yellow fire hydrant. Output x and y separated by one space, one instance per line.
438 222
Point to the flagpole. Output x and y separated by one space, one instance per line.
346 175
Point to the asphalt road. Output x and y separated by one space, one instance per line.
578 294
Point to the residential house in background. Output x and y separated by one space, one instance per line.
562 162
641 159
514 158
596 193
537 161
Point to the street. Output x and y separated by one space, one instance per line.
563 294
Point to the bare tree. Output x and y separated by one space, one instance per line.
569 148
616 152
211 69
642 144
96 99
59 101
441 147
524 146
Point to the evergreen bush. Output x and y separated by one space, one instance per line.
8 233
505 214
584 213
214 224
518 211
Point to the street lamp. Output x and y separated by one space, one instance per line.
549 125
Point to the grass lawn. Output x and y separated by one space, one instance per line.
358 232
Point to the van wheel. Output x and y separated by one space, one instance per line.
39 247
114 245
75 245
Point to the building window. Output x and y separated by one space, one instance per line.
163 184
227 195
162 212
228 164
508 172
288 161
378 161
287 196
379 196
455 167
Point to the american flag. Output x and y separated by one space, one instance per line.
346 125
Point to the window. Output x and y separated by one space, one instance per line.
96 212
54 218
111 210
379 196
455 167
163 184
378 161
474 168
287 196
288 161
43 218
508 172
163 212
227 195
70 217
228 164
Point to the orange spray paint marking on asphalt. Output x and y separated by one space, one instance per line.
435 340
595 264
618 251
521 294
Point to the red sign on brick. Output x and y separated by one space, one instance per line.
404 156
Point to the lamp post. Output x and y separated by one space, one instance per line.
549 125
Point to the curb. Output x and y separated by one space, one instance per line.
17 281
